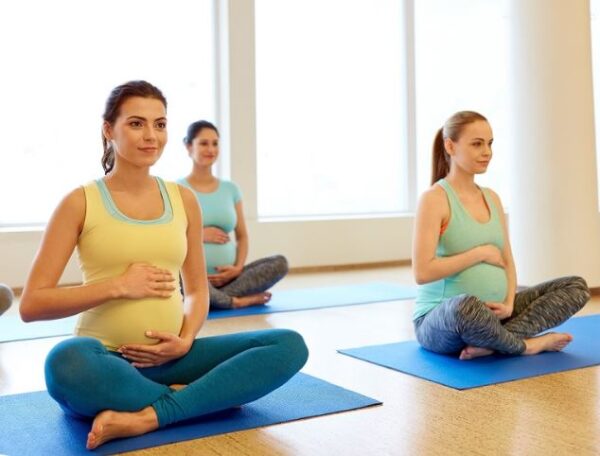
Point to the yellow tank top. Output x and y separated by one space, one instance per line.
109 242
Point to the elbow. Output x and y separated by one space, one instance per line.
26 310
420 276
420 280
26 315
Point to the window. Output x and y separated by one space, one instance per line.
331 107
595 28
461 53
58 72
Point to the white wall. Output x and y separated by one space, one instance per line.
17 251
309 243
324 242
554 204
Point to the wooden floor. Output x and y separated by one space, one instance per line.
556 414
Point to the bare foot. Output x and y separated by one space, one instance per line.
177 387
547 342
252 300
109 425
470 352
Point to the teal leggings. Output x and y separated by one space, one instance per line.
221 372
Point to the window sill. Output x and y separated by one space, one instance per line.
336 217
22 228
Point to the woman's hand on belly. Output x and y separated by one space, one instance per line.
142 280
492 255
169 347
500 309
214 235
225 274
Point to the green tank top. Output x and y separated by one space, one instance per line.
483 280
218 209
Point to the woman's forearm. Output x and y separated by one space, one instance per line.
241 252
60 302
511 278
441 267
195 313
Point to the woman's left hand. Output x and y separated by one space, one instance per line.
500 309
225 275
169 347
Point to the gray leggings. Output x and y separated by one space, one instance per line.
465 320
256 277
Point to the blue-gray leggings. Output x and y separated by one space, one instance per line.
257 277
221 372
465 320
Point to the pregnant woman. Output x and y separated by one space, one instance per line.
232 283
135 364
467 301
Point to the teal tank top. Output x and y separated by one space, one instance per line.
218 209
485 281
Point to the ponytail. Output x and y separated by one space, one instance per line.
108 157
441 160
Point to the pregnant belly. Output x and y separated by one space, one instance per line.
219 255
483 280
125 321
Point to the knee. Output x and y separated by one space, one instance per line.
437 339
579 284
6 298
295 351
281 263
66 362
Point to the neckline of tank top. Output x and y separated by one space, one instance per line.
114 211
462 206
188 185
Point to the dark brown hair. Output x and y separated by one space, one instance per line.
111 111
453 128
196 128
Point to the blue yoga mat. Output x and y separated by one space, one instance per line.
410 358
32 424
13 329
317 298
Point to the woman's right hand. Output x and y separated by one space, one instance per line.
492 255
214 235
142 280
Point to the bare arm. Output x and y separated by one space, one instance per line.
193 271
241 237
432 210
509 262
43 299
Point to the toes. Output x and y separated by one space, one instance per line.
91 441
